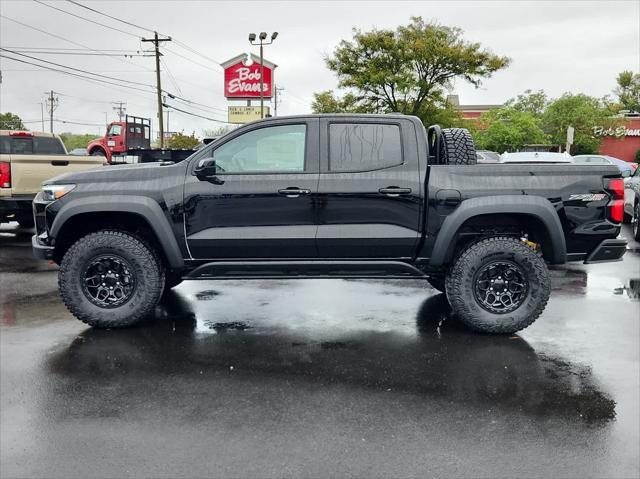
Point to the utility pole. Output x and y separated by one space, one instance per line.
52 104
120 108
156 42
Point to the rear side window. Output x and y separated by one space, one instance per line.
21 145
5 145
43 145
363 146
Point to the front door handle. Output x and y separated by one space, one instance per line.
294 192
394 191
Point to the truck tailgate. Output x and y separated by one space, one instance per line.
29 171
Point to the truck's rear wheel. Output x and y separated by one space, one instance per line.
110 279
457 148
498 285
97 152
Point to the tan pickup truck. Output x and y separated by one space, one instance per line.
26 160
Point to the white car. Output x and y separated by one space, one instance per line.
536 157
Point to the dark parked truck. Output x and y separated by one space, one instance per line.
367 196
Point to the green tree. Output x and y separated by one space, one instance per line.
583 113
9 121
72 141
534 102
405 70
180 140
508 129
628 90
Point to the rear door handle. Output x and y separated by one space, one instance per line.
294 192
59 163
394 191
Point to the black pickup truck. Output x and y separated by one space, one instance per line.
364 196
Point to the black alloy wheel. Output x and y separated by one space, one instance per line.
108 281
501 287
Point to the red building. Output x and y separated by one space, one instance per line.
621 142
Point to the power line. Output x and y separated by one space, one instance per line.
109 16
86 19
190 60
91 54
177 42
194 114
74 74
171 77
76 69
68 49
62 38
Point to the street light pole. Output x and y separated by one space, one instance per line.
262 37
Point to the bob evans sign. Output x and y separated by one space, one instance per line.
618 132
242 77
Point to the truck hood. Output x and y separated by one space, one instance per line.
107 173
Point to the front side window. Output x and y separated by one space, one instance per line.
115 130
363 146
266 150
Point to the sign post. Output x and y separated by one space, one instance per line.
570 132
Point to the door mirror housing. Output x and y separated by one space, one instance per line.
207 170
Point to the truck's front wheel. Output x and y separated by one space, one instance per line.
498 285
110 279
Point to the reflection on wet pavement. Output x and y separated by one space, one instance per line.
446 362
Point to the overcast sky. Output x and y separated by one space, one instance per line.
576 46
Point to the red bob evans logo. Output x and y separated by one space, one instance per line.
242 77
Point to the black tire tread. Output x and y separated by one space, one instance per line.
457 147
468 256
145 254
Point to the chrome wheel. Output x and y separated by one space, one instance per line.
500 286
108 281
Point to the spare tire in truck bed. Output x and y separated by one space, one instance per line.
456 147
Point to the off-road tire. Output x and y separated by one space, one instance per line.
146 267
457 148
438 282
461 278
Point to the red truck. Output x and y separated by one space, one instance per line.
132 137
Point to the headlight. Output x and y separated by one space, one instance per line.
55 192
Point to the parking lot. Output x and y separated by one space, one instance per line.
319 378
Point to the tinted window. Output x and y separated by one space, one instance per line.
363 147
272 149
47 146
21 145
5 145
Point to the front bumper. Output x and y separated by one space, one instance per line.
608 250
41 250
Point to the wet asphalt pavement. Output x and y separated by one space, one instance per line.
319 378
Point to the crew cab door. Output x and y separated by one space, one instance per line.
260 203
369 199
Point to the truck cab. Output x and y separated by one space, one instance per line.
121 137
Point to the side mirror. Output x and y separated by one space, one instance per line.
206 171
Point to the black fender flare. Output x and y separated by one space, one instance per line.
140 205
536 206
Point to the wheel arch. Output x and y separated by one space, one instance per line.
140 214
543 216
